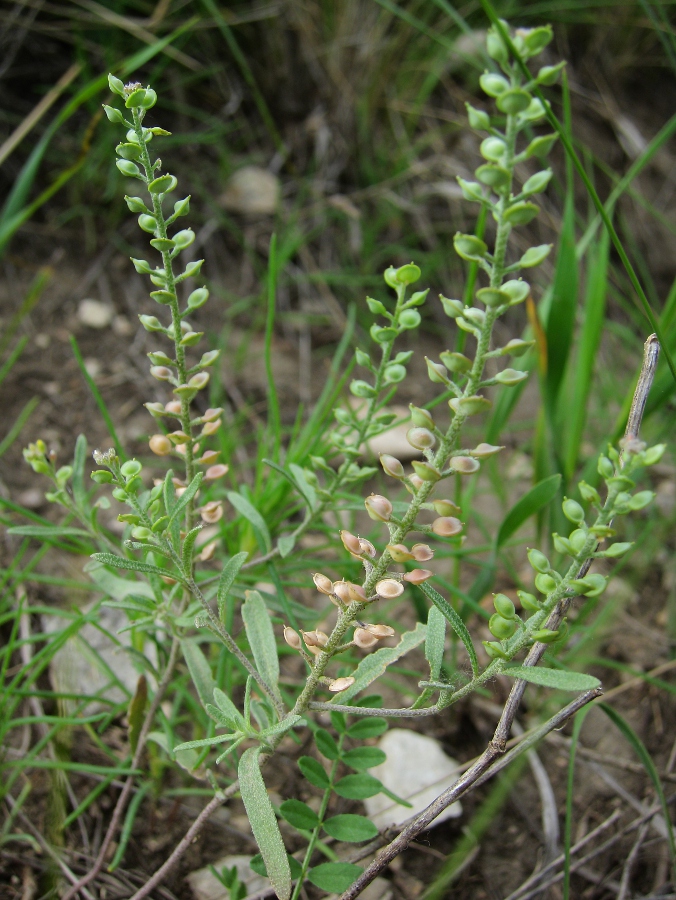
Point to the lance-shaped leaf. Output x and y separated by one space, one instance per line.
264 822
455 621
251 514
134 565
185 498
554 678
261 638
227 579
537 497
200 670
435 640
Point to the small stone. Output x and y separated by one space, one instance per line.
95 314
122 326
420 784
205 887
251 191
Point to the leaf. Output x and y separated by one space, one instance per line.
456 622
48 532
185 498
200 670
264 823
537 497
361 758
554 678
134 565
227 579
285 545
299 815
304 486
261 638
257 865
286 724
350 828
136 713
326 744
118 588
357 787
561 318
77 480
188 545
334 877
132 605
252 516
369 727
314 772
228 708
435 641
205 742
375 665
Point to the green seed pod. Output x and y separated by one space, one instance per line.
538 561
545 583
408 274
617 550
492 297
362 359
621 482
199 381
516 347
128 168
147 223
383 335
391 466
160 358
493 149
455 362
421 417
182 208
510 377
141 534
493 85
475 316
605 468
496 47
504 606
183 239
445 508
409 318
417 298
469 247
529 601
492 176
640 500
471 190
577 539
149 100
394 374
101 476
136 99
128 151
534 256
208 358
131 468
541 146
116 86
517 290
163 297
425 471
142 267
452 308
375 307
163 185
421 438
136 205
602 531
514 101
536 39
198 298
538 182
437 373
151 323
159 525
390 276
501 628
119 494
562 545
521 213
545 636
361 389
469 406
478 119
164 245
549 75
572 511
589 494
653 454
190 338
591 585
494 650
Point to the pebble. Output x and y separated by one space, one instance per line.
252 191
94 313
205 887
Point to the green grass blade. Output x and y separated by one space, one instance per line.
17 427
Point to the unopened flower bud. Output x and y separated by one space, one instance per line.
400 552
341 684
208 551
323 584
447 526
212 512
391 466
388 589
214 472
445 507
364 639
291 638
367 548
421 552
420 438
464 465
481 451
160 445
378 507
350 542
417 576
162 373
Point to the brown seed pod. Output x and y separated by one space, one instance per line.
341 684
380 631
364 639
378 507
356 593
315 638
421 552
160 445
341 590
400 552
291 638
417 576
217 471
367 548
350 542
323 584
212 512
388 588
391 466
447 526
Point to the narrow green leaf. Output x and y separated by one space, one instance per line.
258 866
129 820
205 742
185 498
227 579
314 772
299 815
334 877
357 787
77 480
285 545
361 758
188 545
136 713
537 497
228 708
134 565
456 622
252 516
554 678
375 665
304 485
264 823
48 532
261 638
435 640
370 727
350 828
200 670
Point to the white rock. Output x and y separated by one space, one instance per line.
252 191
95 314
205 887
417 770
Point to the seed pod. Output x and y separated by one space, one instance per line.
545 636
350 542
208 551
315 638
504 606
464 465
494 650
391 466
573 511
447 526
418 576
380 631
421 552
388 588
162 373
445 507
538 561
437 373
323 584
415 482
341 590
426 471
210 428
455 362
208 458
528 601
469 406
605 467
212 512
341 684
364 639
155 409
378 508
160 445
545 583
173 407
214 472
367 548
291 638
399 552
420 438
421 417
356 593
501 628
481 451
178 437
